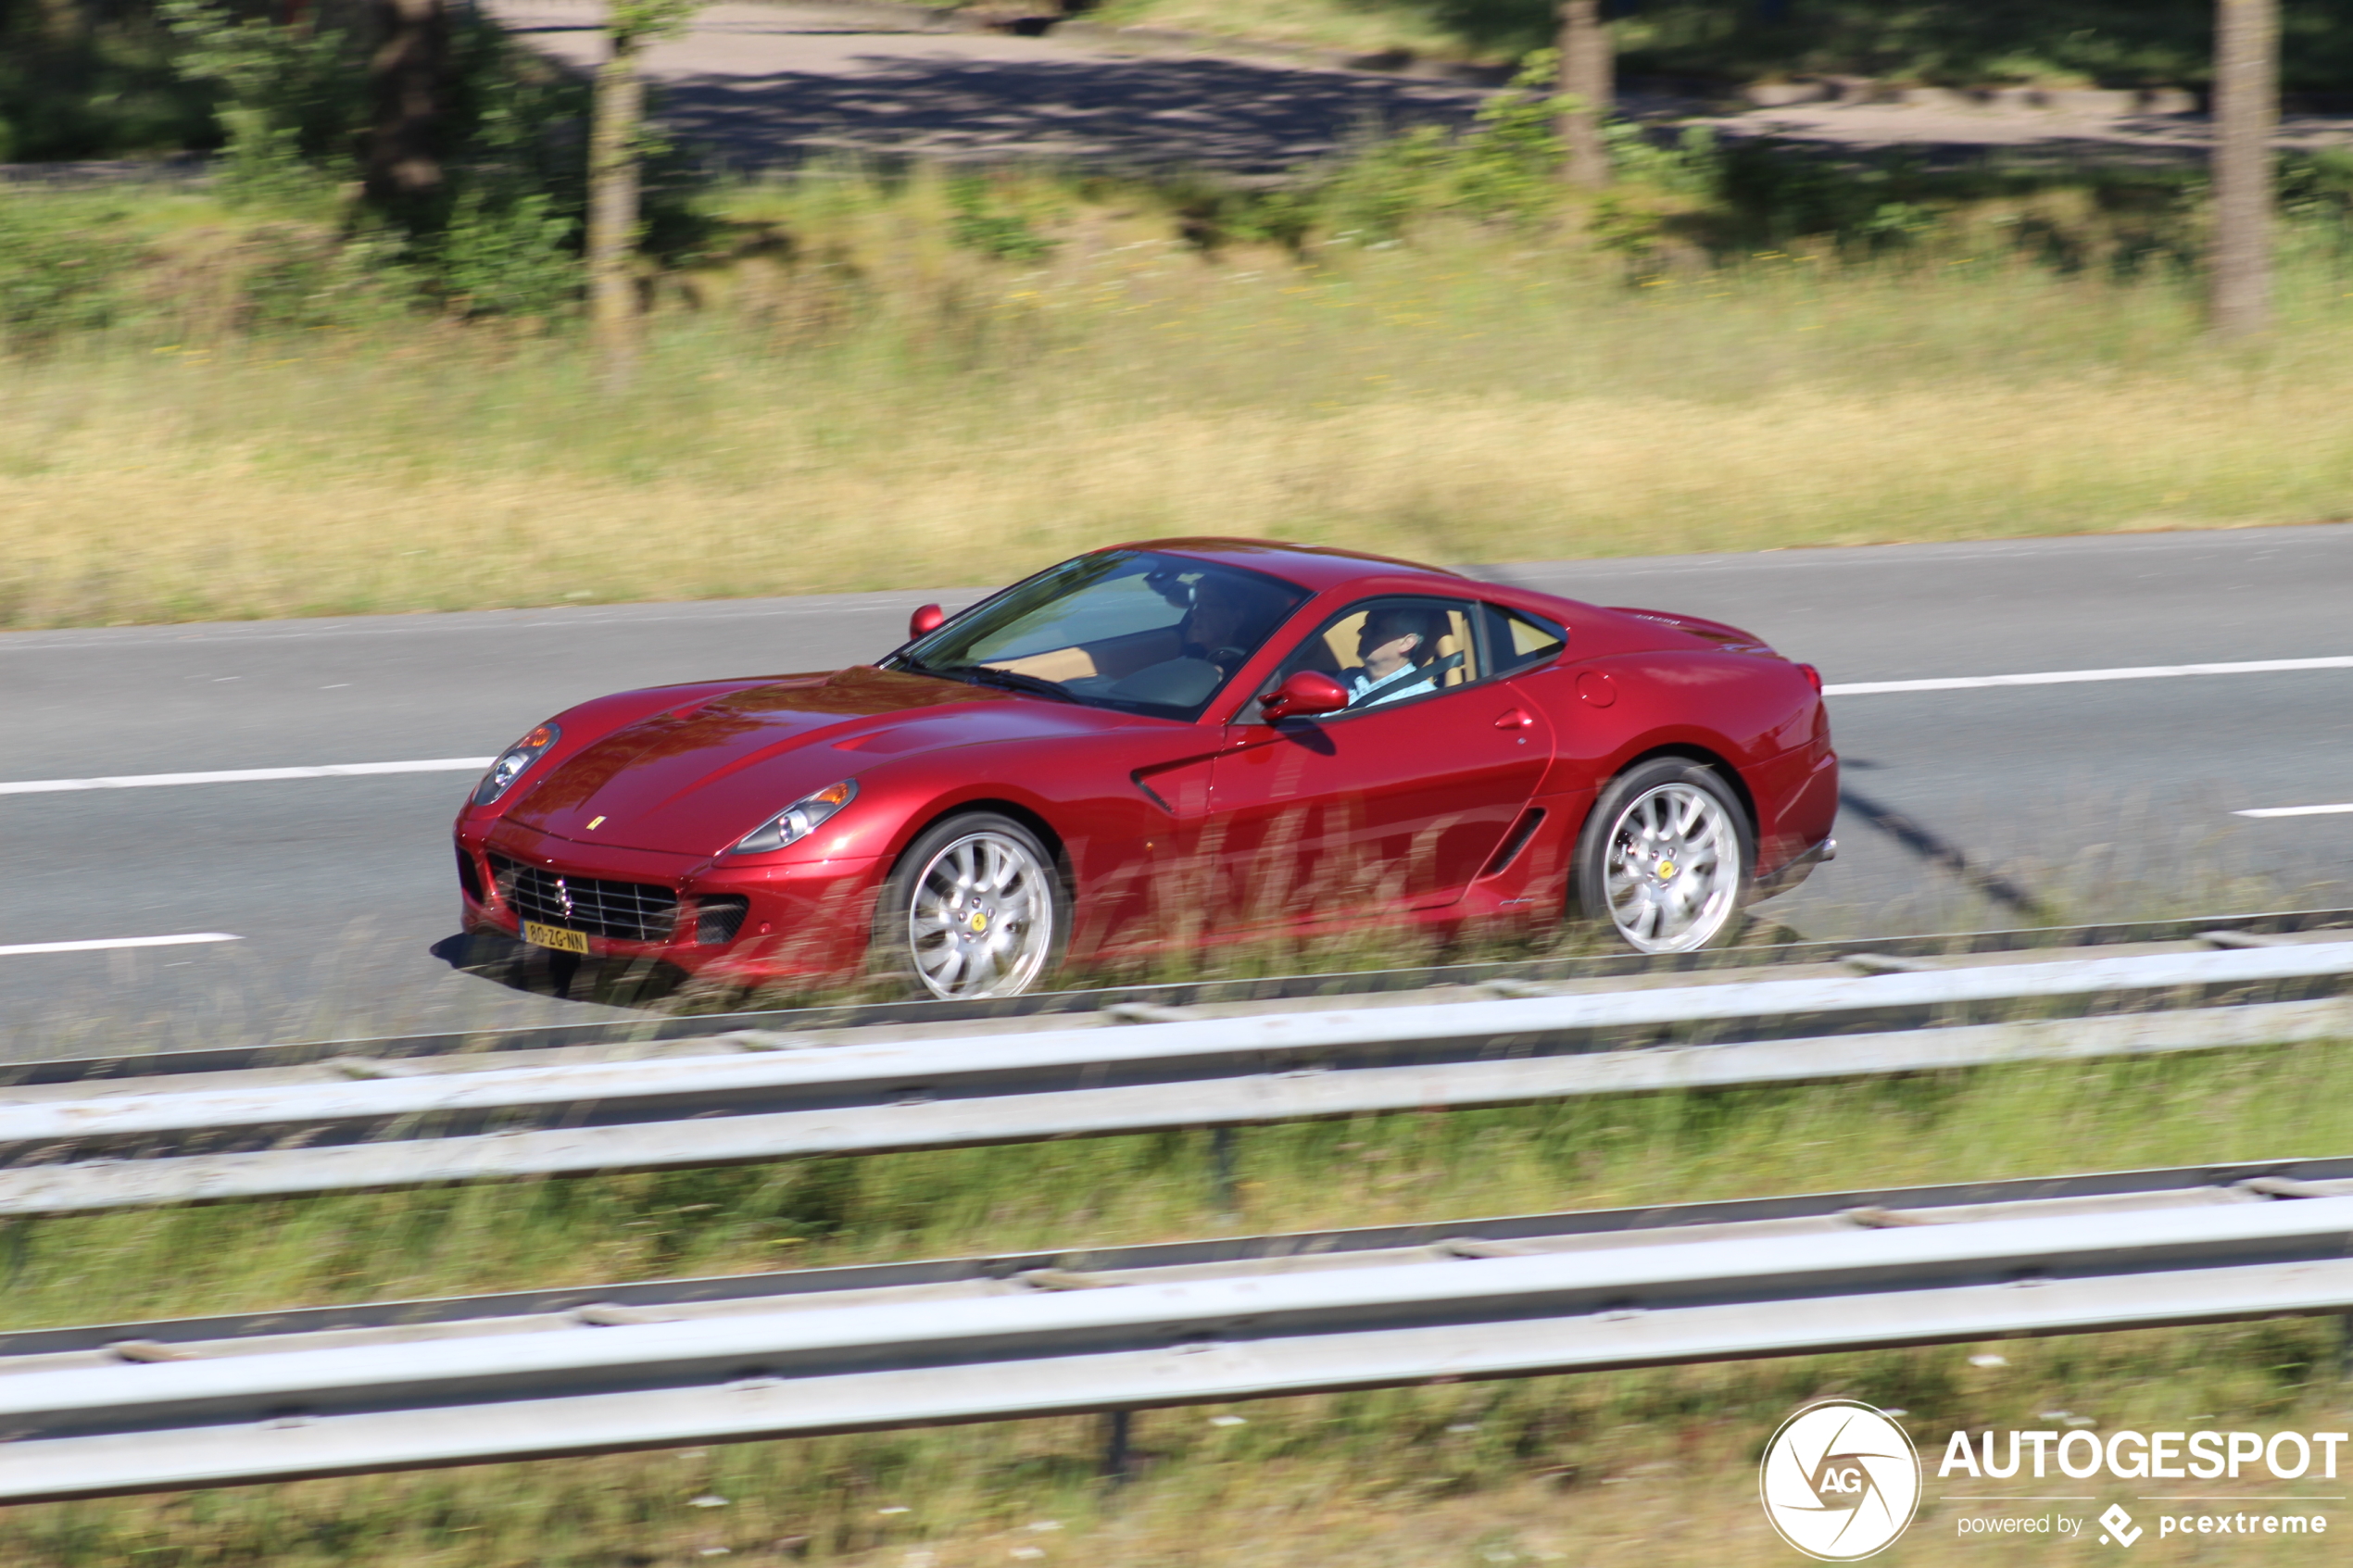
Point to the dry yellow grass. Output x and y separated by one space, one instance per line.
140 521
884 409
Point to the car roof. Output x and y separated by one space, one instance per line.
1314 567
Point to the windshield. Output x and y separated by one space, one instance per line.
1123 629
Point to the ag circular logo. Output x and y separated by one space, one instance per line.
1840 1481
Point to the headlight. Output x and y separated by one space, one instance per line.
512 764
797 821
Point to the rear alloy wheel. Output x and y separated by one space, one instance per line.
976 908
1666 856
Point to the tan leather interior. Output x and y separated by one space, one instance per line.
1055 664
1341 637
1339 644
1456 641
1114 657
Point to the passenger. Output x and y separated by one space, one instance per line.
1397 645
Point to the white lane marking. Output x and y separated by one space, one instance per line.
251 775
106 943
1851 688
2067 677
2294 810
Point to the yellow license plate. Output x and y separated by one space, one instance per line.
555 937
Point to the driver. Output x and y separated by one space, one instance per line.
1397 645
1229 617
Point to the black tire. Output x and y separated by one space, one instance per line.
1666 858
959 916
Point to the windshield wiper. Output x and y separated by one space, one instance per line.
1011 680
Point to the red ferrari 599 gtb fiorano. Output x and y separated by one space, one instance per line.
1177 742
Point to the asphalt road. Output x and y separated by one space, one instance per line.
764 85
1968 808
769 84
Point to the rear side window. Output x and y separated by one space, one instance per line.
1516 639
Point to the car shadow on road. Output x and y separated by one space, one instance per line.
1931 848
502 960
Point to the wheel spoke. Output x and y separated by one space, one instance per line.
1693 805
986 874
1672 871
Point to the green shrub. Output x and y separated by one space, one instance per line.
517 258
977 223
1504 169
56 278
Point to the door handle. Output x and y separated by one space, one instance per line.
1515 719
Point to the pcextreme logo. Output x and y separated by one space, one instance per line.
1840 1481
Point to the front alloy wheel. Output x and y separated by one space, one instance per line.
978 908
1666 858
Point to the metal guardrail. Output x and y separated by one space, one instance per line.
1334 983
213 1144
128 1408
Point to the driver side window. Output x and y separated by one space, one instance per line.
1390 650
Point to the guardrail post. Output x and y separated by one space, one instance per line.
2345 1346
1221 1171
1115 1432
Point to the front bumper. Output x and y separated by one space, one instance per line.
749 922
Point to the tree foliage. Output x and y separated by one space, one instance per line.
498 233
91 83
285 95
1961 42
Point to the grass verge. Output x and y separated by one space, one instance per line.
1649 1467
907 411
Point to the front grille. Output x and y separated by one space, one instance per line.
627 911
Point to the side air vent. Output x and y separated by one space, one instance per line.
1514 841
468 876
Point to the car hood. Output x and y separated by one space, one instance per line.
692 779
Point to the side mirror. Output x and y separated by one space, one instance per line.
925 621
1303 696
